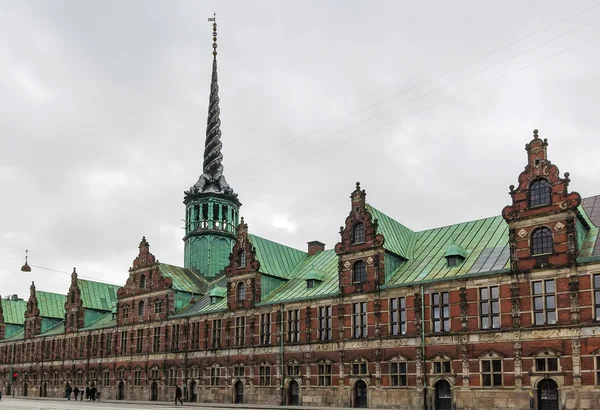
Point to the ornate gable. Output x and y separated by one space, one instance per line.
543 214
2 326
360 248
33 321
74 313
243 278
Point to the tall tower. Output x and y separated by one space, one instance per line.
211 206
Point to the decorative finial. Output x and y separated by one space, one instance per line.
214 20
535 134
358 186
26 267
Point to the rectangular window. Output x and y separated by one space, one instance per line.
265 329
123 342
293 369
265 375
324 374
293 326
359 368
173 377
325 324
491 372
215 376
79 379
238 371
196 335
137 378
216 334
121 374
92 375
139 343
359 320
106 378
82 346
544 302
56 379
597 370
240 331
597 296
440 312
157 307
398 374
442 367
154 374
175 337
546 364
156 340
398 316
489 307
109 343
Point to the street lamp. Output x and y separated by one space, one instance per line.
26 267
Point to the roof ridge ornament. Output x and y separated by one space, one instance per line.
212 179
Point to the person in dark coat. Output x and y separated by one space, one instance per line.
87 393
69 391
178 395
76 392
93 393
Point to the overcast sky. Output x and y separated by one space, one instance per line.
103 114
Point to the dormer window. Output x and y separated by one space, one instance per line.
217 294
455 254
541 241
359 272
540 193
313 278
241 259
453 261
310 283
142 281
358 233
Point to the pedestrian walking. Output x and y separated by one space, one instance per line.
76 392
69 391
178 395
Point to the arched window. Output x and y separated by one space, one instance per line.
541 241
241 291
73 323
141 307
142 281
358 233
241 259
540 193
359 272
72 296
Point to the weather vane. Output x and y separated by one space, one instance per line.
214 20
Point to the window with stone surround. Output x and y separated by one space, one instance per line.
440 312
597 369
265 329
125 312
544 302
491 370
106 378
264 374
216 334
540 193
241 291
68 376
157 307
596 281
325 323
239 370
92 375
293 326
359 272
173 373
241 260
359 320
360 367
174 337
123 349
546 361
541 241
489 307
122 374
109 344
358 233
142 281
240 331
398 316
137 377
324 371
156 340
194 372
398 373
141 309
139 342
56 379
215 375
195 335
293 368
79 378
442 366
155 373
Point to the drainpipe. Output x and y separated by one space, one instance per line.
281 324
423 360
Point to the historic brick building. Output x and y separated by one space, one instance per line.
495 313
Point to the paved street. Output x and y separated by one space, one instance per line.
46 404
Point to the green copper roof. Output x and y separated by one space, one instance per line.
218 292
105 321
276 259
315 274
18 335
57 329
186 280
97 295
485 241
14 311
398 238
455 250
326 263
51 304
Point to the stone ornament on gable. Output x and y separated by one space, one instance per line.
522 233
370 260
559 226
347 264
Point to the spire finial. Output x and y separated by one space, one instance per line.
26 267
214 20
535 134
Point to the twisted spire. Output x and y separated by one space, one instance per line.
212 179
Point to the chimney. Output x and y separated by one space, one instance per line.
315 247
14 297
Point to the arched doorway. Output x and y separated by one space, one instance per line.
154 391
294 393
443 395
25 389
193 392
121 391
238 391
547 395
360 394
44 391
